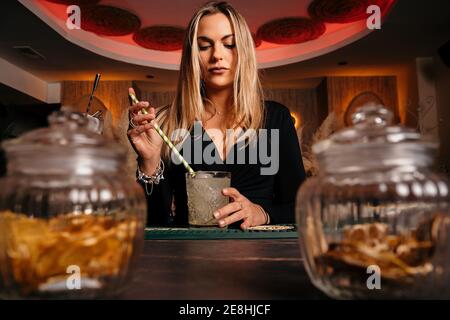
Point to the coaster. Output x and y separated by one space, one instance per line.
271 228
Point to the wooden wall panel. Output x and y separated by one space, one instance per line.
114 96
304 104
112 93
158 99
341 90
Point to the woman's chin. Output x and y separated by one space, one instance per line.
220 85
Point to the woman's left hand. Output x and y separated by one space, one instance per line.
240 209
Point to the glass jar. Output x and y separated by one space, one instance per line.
375 222
71 222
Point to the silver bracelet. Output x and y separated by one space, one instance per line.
153 179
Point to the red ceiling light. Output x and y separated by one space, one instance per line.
343 11
76 2
109 21
163 38
291 30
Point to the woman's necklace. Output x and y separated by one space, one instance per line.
213 114
217 112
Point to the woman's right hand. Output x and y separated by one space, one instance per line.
143 137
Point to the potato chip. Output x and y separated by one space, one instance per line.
38 251
401 258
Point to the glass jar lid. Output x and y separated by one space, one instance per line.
69 145
373 142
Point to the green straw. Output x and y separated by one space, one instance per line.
164 137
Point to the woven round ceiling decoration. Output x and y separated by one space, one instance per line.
343 11
291 30
109 21
76 2
256 40
163 38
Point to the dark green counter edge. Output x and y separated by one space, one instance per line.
159 233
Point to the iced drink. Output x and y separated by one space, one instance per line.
204 192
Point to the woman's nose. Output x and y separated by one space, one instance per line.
218 53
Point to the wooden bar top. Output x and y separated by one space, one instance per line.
221 269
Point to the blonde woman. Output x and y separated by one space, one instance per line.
219 96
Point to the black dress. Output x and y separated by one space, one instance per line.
274 188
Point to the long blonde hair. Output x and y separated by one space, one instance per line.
189 103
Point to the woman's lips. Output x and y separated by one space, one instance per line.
218 70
